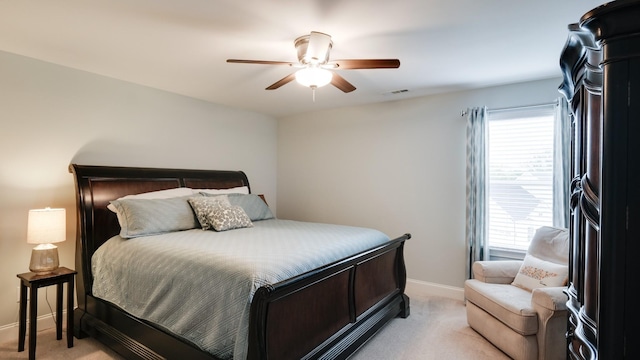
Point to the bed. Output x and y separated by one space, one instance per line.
324 311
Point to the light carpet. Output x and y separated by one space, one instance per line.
436 329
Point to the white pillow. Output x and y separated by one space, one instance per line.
160 194
536 273
235 190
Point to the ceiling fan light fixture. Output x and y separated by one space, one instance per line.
313 77
313 48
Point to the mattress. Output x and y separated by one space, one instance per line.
199 284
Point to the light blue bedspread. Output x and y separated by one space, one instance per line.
199 284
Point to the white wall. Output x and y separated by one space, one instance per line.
397 166
52 116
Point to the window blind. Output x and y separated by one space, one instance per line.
520 173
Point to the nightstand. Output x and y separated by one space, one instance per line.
34 281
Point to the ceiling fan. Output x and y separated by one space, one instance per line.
315 67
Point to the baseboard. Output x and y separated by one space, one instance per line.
10 332
423 289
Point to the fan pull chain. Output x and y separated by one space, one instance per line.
313 92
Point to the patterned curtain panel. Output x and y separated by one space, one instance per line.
561 164
476 214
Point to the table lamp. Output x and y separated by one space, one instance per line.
45 227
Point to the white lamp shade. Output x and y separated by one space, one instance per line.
46 226
313 77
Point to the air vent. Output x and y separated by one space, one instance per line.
396 92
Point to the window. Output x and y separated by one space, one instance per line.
520 176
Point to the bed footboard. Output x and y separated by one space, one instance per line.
330 312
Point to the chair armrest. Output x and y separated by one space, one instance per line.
496 272
551 306
551 298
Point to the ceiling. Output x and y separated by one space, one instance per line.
181 46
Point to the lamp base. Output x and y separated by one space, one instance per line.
44 259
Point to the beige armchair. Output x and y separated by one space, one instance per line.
519 306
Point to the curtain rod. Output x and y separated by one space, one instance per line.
554 103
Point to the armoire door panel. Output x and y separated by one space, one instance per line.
601 62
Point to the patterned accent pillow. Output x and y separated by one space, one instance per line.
536 273
204 207
229 217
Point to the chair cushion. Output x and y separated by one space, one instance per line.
550 244
509 304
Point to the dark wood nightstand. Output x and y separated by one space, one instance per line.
34 281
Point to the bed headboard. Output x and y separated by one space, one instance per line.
97 185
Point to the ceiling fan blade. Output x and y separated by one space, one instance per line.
285 80
318 48
263 62
342 84
367 64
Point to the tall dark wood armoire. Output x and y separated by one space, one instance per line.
601 67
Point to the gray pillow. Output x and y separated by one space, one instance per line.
253 205
140 217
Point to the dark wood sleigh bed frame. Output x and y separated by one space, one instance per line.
326 313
